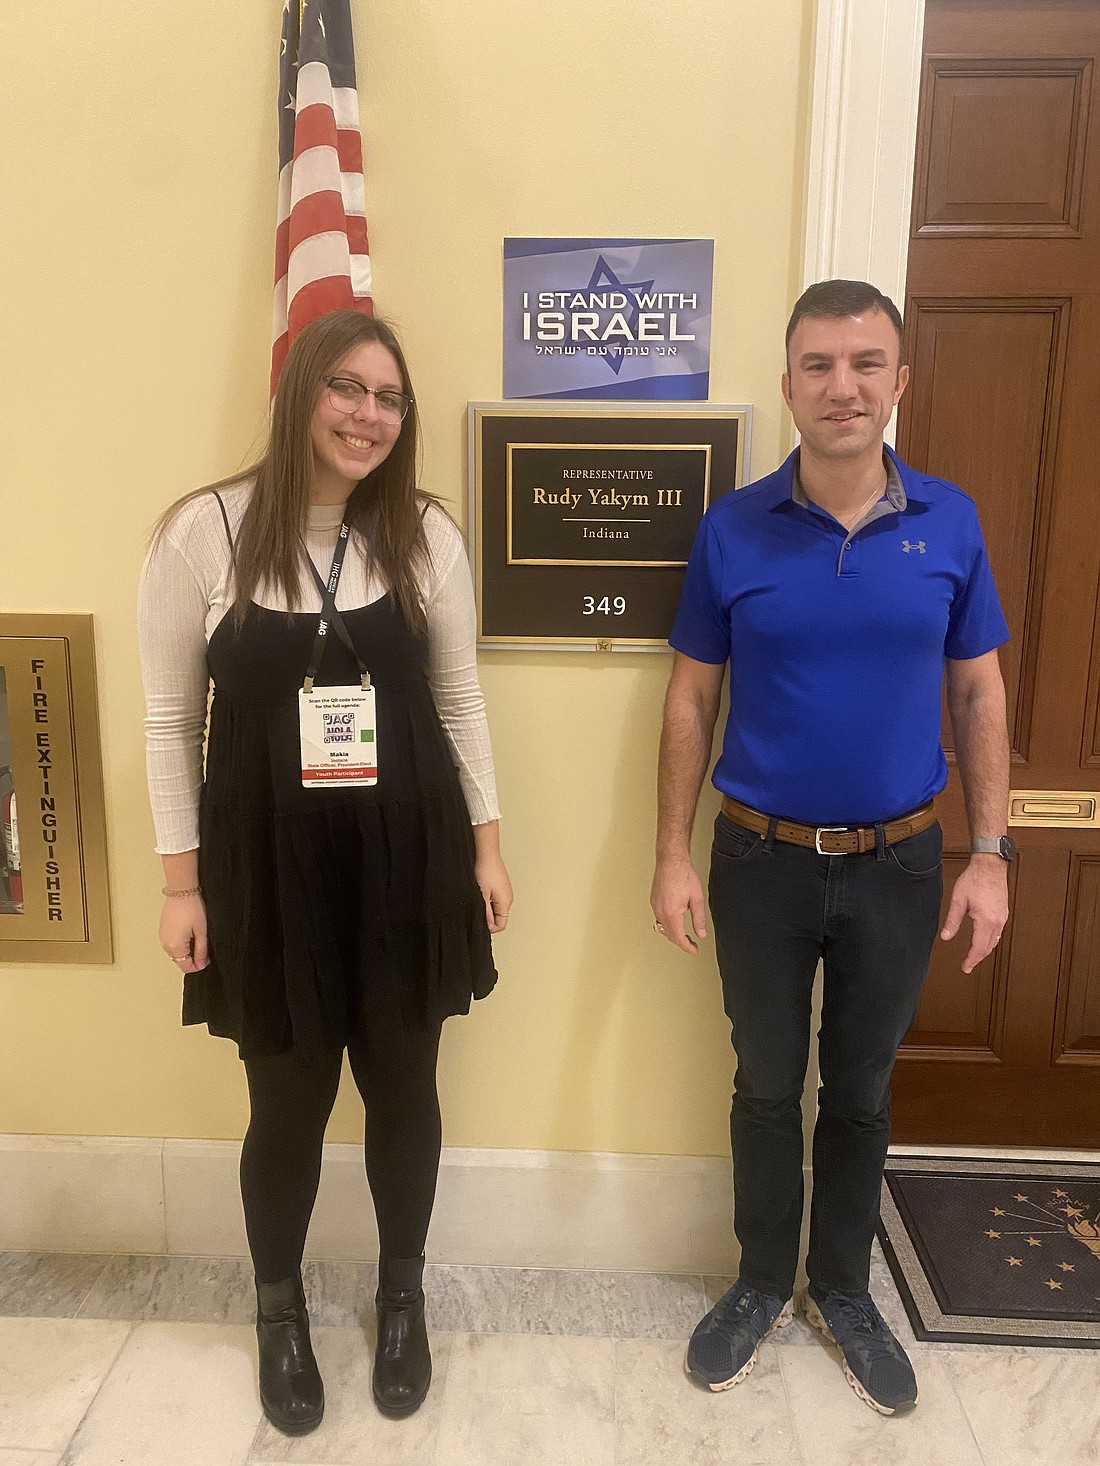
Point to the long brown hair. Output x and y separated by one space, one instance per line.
385 508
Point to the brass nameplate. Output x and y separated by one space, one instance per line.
611 504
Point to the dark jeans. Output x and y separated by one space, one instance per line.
872 918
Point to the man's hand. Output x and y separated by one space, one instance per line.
981 893
976 703
677 890
691 708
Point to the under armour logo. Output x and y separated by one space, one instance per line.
907 546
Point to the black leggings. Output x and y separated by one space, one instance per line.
394 1071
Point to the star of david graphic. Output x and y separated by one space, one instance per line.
603 274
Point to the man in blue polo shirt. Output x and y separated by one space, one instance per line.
841 590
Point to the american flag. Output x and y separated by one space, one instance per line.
321 259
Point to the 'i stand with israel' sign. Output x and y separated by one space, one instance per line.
625 319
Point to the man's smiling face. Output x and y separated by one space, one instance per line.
842 381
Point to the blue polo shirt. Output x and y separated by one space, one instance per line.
836 641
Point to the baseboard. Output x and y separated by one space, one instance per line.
504 1208
508 1208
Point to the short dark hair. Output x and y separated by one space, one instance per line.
831 299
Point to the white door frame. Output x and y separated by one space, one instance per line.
863 139
863 132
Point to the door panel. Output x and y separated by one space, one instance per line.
1077 1030
962 1014
1002 140
998 435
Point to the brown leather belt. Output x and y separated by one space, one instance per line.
830 839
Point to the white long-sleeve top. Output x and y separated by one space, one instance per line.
186 589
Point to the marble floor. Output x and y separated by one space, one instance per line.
149 1361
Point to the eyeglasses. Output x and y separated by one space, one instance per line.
347 396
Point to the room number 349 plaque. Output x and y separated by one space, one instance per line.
583 519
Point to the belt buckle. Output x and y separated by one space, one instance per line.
829 830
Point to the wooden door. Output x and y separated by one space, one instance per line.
1003 336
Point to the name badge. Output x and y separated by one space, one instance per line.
339 736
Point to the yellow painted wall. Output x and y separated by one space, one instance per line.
137 179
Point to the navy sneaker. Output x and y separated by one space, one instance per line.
722 1350
875 1364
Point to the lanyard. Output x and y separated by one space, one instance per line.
330 616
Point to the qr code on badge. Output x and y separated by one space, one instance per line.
339 727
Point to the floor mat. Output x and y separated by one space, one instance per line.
995 1251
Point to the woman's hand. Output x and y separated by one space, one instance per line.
183 932
491 876
183 918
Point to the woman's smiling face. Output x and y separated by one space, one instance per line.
349 445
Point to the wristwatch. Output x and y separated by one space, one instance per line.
1005 847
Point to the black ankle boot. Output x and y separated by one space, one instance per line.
402 1360
291 1391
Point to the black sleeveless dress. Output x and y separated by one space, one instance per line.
328 907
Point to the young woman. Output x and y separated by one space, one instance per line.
333 876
